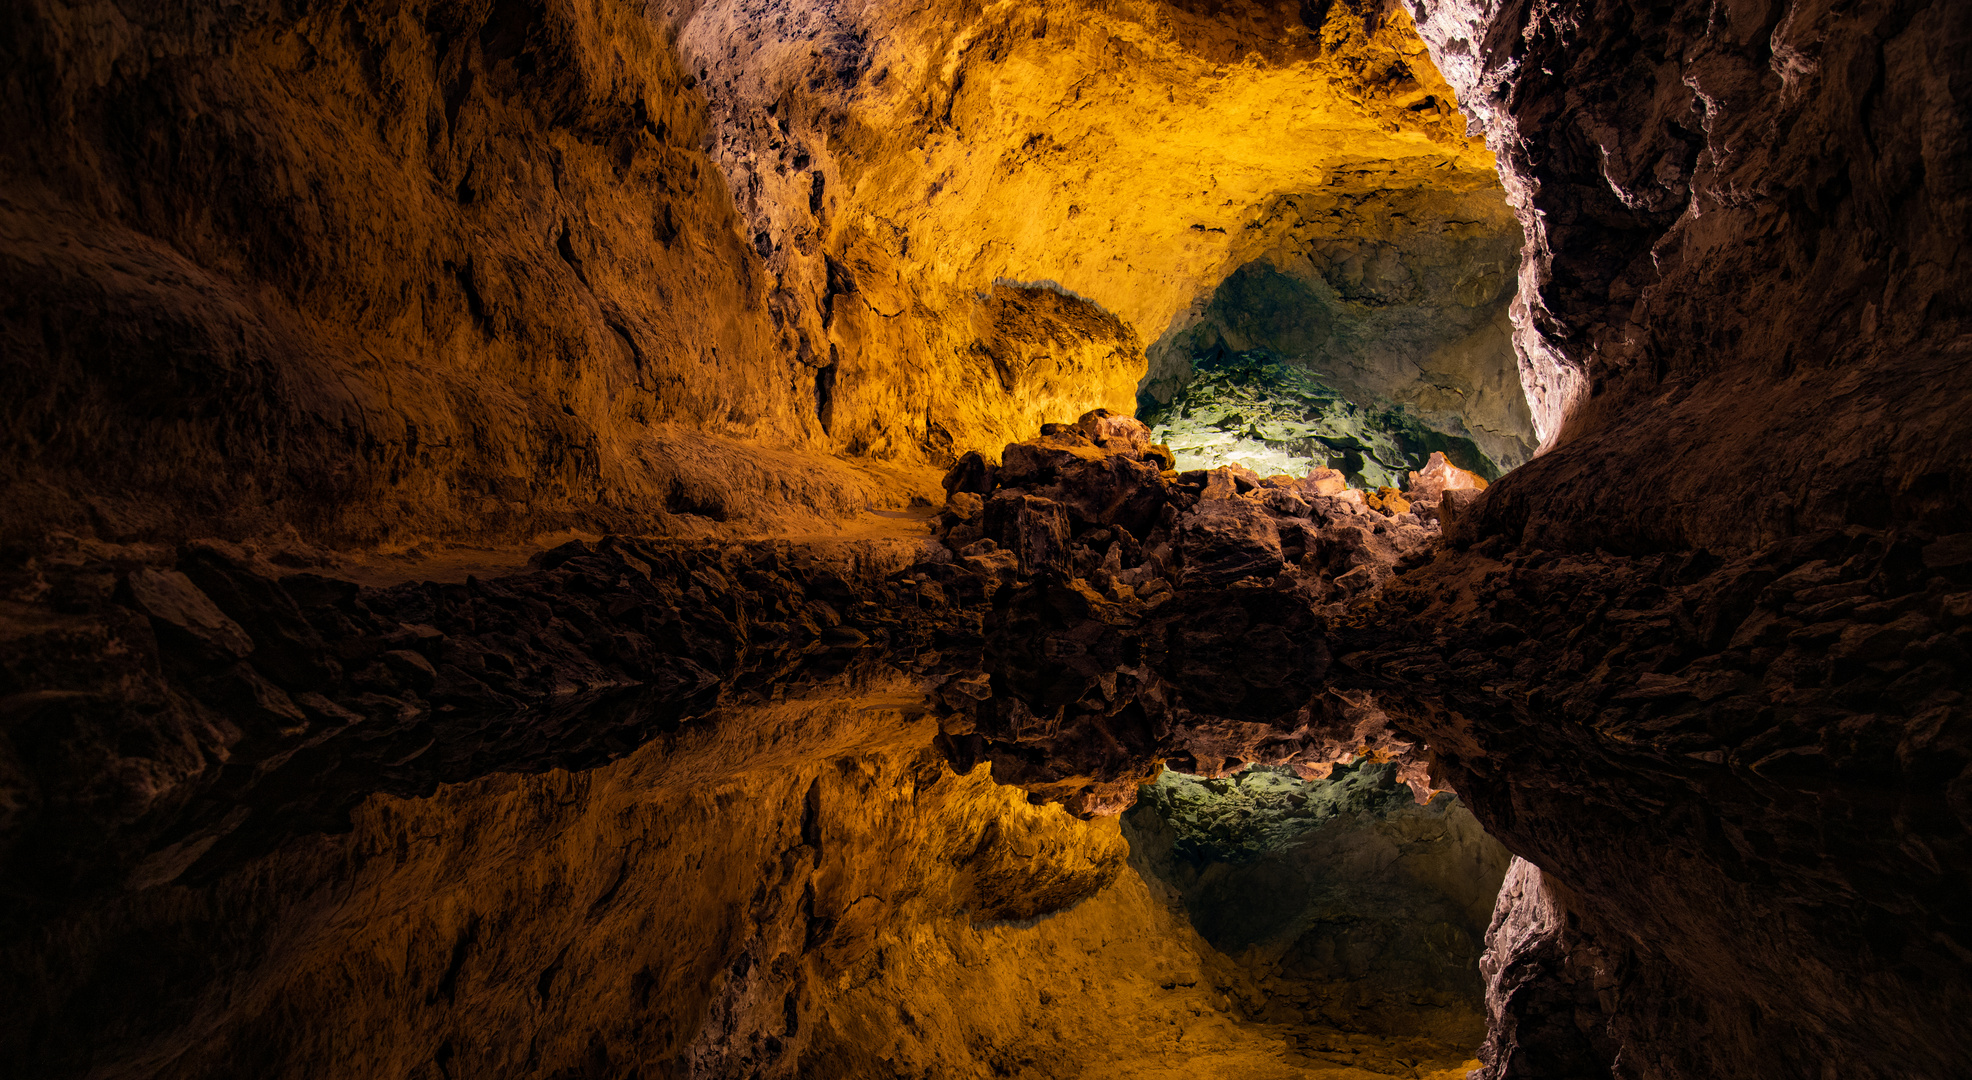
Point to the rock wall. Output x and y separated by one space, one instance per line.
372 271
465 269
1734 297
1740 356
898 167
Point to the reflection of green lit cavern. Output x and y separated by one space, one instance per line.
1351 903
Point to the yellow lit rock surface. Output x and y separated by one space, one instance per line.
492 273
1129 153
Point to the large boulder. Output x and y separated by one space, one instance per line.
972 473
1114 433
1438 476
1224 540
1115 490
1036 461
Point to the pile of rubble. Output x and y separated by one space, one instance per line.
1139 614
1096 503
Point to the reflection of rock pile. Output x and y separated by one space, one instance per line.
185 714
1274 417
1141 614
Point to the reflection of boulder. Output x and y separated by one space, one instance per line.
1355 905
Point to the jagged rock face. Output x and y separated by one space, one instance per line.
1265 414
375 271
1744 385
463 269
1547 986
897 166
1745 774
1130 616
1732 295
1702 662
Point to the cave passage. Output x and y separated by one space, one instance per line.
1371 332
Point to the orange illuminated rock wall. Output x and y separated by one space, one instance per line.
483 271
1132 154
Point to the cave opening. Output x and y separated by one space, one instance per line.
1363 332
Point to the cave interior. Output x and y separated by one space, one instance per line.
1120 538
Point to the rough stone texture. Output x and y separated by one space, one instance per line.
900 168
1268 415
1744 771
1547 987
377 271
1702 662
1746 351
1740 290
1133 616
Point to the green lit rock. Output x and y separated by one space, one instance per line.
1273 416
1398 303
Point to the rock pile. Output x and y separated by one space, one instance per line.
1139 614
1096 502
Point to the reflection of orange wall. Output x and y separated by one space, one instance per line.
909 920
